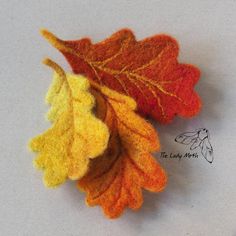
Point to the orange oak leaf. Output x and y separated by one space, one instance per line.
146 70
115 180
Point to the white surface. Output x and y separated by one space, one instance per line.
200 198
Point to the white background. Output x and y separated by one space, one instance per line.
200 198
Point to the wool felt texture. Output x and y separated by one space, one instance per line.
115 180
76 135
147 70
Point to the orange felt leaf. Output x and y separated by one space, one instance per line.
146 70
115 179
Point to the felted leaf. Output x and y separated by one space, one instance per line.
115 179
76 136
146 70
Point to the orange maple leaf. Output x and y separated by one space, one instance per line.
115 179
146 70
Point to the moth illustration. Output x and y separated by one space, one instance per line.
198 138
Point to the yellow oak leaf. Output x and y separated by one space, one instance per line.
76 136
